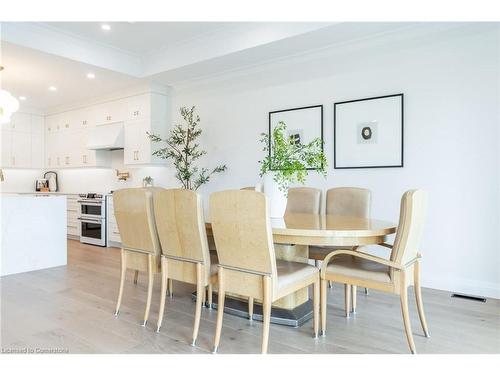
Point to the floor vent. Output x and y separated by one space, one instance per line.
470 298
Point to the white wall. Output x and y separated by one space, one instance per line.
450 82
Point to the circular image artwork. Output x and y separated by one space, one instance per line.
366 133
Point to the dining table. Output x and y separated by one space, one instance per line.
292 235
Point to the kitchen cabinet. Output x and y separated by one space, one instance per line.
138 147
37 124
21 150
113 234
6 146
37 150
72 214
21 122
66 133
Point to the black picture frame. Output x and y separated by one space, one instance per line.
298 109
400 165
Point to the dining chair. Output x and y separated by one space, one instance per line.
140 244
394 275
184 247
303 200
344 201
247 261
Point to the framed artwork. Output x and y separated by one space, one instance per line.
302 124
368 133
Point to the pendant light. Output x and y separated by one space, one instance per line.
8 104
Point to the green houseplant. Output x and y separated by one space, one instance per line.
182 148
287 162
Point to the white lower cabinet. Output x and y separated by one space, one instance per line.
73 213
113 234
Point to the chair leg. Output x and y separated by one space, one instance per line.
354 298
316 298
150 289
250 308
136 276
170 288
366 291
203 297
406 316
418 297
266 312
220 309
323 306
330 285
200 289
122 281
210 292
163 294
347 299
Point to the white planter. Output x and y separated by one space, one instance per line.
277 199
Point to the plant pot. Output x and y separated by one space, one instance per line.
277 198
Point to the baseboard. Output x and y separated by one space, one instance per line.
473 287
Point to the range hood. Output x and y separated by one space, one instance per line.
106 137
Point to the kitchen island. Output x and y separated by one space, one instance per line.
33 232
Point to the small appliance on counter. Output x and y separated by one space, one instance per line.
53 185
42 185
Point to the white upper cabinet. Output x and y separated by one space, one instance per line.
21 150
66 133
37 124
23 142
21 122
6 135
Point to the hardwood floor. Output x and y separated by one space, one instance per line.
72 308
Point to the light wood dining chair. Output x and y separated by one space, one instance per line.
393 275
141 250
303 200
247 261
344 201
185 256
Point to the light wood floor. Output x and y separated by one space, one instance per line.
72 308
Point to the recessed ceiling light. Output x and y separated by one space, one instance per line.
105 27
52 88
22 98
90 75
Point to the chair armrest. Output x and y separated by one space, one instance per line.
358 254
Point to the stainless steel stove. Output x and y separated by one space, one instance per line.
92 218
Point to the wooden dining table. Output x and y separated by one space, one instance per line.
292 236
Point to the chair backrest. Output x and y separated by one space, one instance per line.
242 231
411 222
181 226
134 214
348 201
305 200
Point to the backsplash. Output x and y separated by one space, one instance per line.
89 179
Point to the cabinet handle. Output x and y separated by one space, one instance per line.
66 125
57 127
58 160
67 160
108 118
84 122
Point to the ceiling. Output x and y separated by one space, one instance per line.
139 37
39 55
30 73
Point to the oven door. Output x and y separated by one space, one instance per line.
92 231
92 208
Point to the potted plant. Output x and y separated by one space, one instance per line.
287 162
183 149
